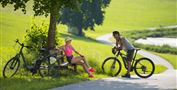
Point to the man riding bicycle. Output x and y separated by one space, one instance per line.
123 43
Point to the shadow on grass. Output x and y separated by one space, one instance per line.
38 83
86 39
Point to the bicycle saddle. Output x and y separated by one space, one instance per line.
42 49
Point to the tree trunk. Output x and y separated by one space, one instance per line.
52 32
80 33
54 15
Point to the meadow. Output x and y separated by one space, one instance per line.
170 57
122 15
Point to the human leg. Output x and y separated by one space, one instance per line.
78 60
129 59
90 68
85 61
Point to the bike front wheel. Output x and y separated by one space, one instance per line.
11 67
144 67
111 66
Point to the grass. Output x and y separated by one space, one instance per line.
160 32
121 15
37 83
171 58
92 49
87 46
125 15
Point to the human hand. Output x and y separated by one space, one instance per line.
119 48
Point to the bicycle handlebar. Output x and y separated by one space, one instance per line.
22 44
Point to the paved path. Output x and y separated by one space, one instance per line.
165 80
154 28
156 59
118 83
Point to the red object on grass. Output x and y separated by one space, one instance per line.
92 70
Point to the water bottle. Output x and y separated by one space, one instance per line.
52 60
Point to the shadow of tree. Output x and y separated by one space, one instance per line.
86 39
38 83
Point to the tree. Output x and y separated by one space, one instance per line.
91 13
45 7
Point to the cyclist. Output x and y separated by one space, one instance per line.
123 43
68 50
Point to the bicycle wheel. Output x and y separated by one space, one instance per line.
11 67
144 67
44 68
111 66
47 69
54 70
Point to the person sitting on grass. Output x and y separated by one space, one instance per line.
80 60
123 43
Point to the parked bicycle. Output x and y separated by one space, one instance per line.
42 64
54 63
143 67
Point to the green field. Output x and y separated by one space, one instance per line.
121 15
170 57
126 15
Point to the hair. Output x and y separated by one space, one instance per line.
116 32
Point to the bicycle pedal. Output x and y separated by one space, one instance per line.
34 72
131 69
56 66
30 67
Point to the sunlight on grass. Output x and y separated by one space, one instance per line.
171 58
121 15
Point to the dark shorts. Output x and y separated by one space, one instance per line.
130 54
69 58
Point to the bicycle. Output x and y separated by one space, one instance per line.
50 64
54 64
143 67
42 64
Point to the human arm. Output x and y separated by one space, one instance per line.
77 52
119 44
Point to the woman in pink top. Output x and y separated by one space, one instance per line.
68 50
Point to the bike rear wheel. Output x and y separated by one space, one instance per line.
144 67
46 69
11 67
111 66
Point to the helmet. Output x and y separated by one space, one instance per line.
68 39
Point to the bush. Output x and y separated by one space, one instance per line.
160 49
36 37
161 32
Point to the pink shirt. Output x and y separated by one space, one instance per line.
68 50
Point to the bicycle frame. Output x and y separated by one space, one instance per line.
22 55
137 65
123 57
